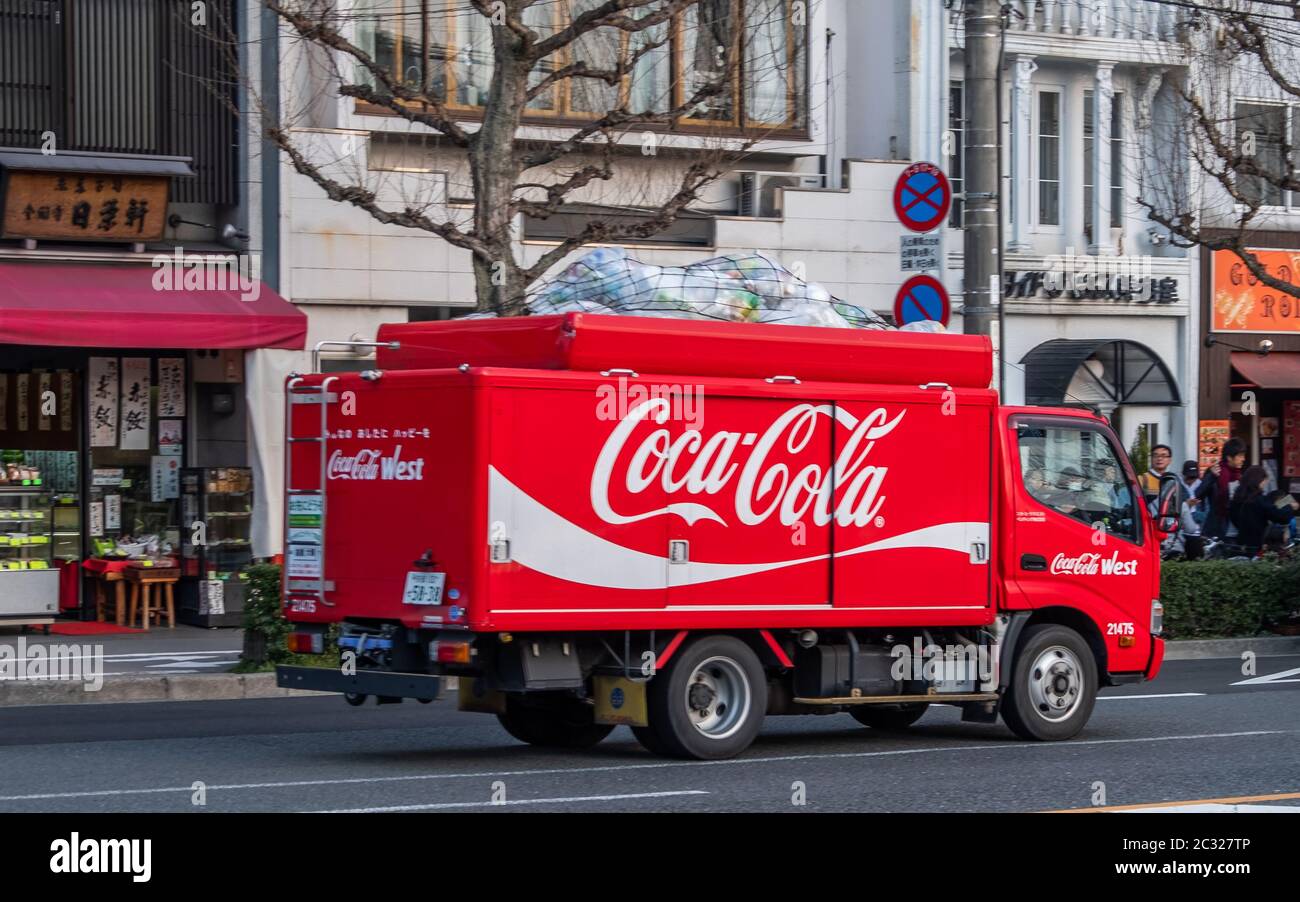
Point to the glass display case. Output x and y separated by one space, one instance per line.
29 578
216 544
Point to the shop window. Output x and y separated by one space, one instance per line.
444 48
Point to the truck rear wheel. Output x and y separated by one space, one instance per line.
1053 684
889 717
564 723
708 703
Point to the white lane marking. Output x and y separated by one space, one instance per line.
1279 677
441 805
1217 809
655 765
1108 698
140 656
193 663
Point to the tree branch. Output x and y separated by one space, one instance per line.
364 199
696 176
610 14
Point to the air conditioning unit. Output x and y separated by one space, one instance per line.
759 193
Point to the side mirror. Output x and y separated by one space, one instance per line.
1167 512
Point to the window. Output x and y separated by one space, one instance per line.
1116 162
1264 125
1075 471
1049 158
764 60
957 129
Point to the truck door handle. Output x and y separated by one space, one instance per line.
1033 562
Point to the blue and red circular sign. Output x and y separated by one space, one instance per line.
922 197
921 298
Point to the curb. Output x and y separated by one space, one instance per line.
175 688
147 688
1263 646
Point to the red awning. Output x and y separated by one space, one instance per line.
136 306
1276 370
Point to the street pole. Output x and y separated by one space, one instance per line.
981 286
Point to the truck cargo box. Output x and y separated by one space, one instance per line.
588 472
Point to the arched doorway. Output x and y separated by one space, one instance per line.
1124 381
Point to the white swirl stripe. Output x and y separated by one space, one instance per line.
542 540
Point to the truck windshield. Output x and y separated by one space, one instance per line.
1075 471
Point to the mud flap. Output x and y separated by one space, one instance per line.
619 701
474 697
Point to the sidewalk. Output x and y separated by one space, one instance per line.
192 664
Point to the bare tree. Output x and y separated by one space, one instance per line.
1243 163
514 167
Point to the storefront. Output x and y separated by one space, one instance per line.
1250 367
1110 334
123 434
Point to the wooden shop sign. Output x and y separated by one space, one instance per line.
84 206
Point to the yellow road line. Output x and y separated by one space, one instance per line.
1233 800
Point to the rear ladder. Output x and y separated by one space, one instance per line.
305 514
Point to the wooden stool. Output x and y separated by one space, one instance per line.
148 586
119 593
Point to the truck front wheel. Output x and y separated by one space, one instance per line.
559 723
1053 685
708 703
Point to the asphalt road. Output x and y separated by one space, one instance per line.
1191 736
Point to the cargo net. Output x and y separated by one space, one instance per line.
748 288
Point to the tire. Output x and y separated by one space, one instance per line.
565 724
650 741
889 717
1053 684
709 702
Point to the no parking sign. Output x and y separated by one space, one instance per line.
922 197
921 298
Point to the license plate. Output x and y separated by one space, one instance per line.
423 588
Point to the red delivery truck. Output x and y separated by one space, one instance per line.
686 526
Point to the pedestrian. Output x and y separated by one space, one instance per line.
1254 510
1191 481
1161 457
1217 487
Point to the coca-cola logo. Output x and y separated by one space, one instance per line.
1093 564
764 484
374 464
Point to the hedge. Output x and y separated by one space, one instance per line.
1213 599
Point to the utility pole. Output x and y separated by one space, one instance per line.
982 284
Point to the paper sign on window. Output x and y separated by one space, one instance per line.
103 402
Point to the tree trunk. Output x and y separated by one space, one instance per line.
494 168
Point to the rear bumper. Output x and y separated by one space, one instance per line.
363 682
1157 657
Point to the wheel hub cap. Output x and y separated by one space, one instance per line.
1056 683
718 698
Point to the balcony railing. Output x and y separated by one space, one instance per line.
1126 20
